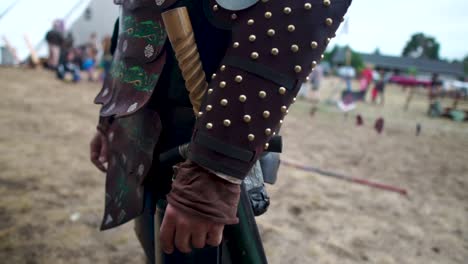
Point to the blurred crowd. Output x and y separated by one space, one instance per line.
71 62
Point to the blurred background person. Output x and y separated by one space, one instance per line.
54 39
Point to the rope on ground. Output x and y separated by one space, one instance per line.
344 177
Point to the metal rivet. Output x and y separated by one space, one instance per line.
294 48
210 91
209 125
291 28
213 76
208 108
314 63
250 22
271 32
297 68
274 51
268 131
314 44
267 146
238 79
268 14
223 102
266 114
235 45
284 109
282 90
326 2
287 10
251 137
262 94
322 57
254 55
200 114
281 122
294 99
247 118
233 16
223 67
242 98
329 21
252 38
328 40
222 84
215 8
307 6
227 122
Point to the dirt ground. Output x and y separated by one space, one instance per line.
52 197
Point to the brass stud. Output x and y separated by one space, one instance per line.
209 125
222 84
268 14
297 69
254 55
242 98
266 114
271 32
223 102
274 51
250 22
328 40
294 48
223 67
233 16
282 90
238 79
291 28
314 44
247 118
287 10
326 2
226 122
294 99
251 137
210 91
267 146
235 45
314 63
307 6
281 122
274 133
268 131
213 76
284 109
200 114
209 108
329 21
215 8
252 38
262 94
322 57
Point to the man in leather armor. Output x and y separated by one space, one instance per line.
255 55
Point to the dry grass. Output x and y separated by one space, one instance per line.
46 177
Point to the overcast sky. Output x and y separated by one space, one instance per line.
387 25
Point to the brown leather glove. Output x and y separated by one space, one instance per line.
200 192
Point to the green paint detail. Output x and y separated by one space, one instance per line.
133 127
151 31
134 75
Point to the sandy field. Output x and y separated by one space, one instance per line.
52 197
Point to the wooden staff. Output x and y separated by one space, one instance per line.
180 33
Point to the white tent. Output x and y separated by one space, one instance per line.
34 19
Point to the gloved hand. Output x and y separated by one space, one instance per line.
200 204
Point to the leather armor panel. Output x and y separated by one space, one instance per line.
275 45
131 143
138 60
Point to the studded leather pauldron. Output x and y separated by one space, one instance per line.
275 45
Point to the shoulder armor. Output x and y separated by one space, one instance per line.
236 5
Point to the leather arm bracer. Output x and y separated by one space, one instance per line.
274 47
